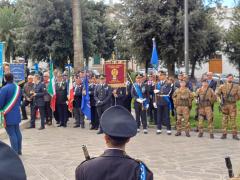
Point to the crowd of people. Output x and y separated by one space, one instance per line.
154 97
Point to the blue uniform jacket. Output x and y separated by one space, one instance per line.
6 94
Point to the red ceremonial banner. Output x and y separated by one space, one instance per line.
115 74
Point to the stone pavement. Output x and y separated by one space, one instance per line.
54 153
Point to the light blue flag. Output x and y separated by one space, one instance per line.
154 59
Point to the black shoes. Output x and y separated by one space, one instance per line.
41 128
76 126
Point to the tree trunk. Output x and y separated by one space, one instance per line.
77 35
171 69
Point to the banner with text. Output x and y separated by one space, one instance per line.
18 71
115 73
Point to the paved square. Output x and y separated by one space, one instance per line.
54 153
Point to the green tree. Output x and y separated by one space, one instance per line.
164 20
10 21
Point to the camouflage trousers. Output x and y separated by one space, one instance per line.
229 115
183 112
205 112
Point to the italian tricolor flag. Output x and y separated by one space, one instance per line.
51 88
70 94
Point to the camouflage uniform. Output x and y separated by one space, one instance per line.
205 98
182 99
229 107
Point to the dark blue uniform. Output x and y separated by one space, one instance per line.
114 164
163 106
78 114
119 100
38 103
140 110
94 114
127 102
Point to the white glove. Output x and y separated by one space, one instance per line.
156 91
139 100
147 106
155 105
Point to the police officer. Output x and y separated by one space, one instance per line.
182 98
102 96
205 100
162 103
94 114
140 93
119 126
27 97
38 93
61 100
78 92
152 111
229 94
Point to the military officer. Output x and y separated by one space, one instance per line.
102 96
162 103
229 93
94 114
78 92
61 100
39 90
119 126
182 98
140 93
151 111
205 100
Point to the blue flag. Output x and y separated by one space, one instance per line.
154 59
36 68
85 106
1 62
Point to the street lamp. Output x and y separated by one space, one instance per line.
186 37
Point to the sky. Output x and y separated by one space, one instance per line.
229 3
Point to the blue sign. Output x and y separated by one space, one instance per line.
1 62
18 71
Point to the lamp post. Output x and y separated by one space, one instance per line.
186 37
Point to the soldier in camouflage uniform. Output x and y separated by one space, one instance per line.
229 94
205 100
182 99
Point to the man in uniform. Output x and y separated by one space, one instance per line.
229 94
78 114
152 111
119 126
102 96
118 96
162 103
205 100
128 97
182 98
94 114
61 100
140 93
27 97
39 90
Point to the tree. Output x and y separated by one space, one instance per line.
232 38
77 34
164 20
10 21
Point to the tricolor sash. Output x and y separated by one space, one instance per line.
8 107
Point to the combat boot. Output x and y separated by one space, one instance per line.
187 134
211 136
178 134
224 136
235 137
200 134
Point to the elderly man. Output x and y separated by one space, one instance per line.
47 100
211 82
27 97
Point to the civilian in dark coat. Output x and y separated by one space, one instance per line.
94 114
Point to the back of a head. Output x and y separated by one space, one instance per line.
8 77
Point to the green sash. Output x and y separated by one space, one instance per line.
8 107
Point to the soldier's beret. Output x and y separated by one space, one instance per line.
204 80
11 166
162 73
229 75
118 122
